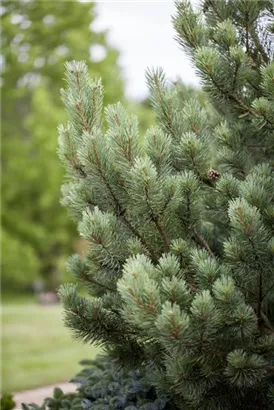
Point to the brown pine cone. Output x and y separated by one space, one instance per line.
213 175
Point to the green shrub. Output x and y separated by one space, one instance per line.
102 386
7 402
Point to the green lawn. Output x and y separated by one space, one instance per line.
37 349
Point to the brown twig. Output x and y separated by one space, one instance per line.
266 321
86 277
201 240
155 218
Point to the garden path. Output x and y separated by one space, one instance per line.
38 395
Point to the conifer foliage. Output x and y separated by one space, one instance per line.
101 385
180 264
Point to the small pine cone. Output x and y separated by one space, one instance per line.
213 175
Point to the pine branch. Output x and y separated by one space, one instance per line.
270 368
247 34
266 321
87 278
211 3
230 96
147 307
257 259
239 103
260 295
79 106
167 202
201 241
82 115
235 75
269 289
73 160
119 210
260 48
100 242
166 111
155 218
162 233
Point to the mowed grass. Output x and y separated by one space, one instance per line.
37 349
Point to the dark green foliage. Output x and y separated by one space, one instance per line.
103 386
7 402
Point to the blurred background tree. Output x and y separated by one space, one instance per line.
37 38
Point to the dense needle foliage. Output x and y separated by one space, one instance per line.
180 263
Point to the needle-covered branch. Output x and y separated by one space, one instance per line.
180 226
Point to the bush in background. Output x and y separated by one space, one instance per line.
7 402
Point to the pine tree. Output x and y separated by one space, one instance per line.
180 227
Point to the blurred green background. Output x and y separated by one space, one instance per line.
38 37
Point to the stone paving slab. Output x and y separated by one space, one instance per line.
38 395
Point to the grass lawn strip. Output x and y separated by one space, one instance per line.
37 349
